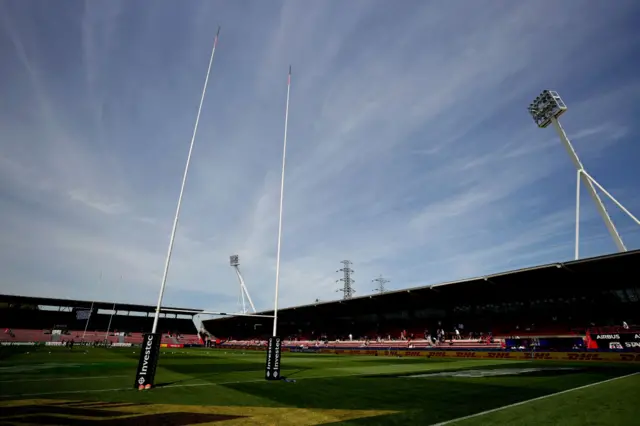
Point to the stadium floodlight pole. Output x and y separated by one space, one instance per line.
590 187
245 292
234 261
616 202
582 174
546 109
184 181
284 160
242 303
577 248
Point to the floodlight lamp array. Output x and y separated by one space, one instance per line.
234 260
545 107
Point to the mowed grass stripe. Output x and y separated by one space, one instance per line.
547 405
205 380
48 379
199 377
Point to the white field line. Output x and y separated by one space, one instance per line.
262 380
178 386
63 393
195 384
50 379
483 413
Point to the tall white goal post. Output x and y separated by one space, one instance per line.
149 353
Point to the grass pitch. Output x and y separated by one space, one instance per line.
58 386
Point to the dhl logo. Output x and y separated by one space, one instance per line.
584 357
630 357
542 356
499 355
538 356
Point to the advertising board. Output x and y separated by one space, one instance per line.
18 343
629 342
171 345
272 368
518 356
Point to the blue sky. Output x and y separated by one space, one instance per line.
410 149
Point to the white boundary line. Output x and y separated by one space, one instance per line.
309 378
471 416
201 384
177 386
50 379
62 392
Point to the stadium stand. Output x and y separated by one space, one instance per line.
586 304
557 306
31 319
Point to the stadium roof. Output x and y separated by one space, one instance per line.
601 271
73 303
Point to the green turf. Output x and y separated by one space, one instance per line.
200 377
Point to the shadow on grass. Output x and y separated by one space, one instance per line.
298 371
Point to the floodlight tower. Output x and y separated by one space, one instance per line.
381 284
346 279
545 110
234 261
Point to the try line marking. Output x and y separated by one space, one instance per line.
186 385
300 378
173 386
58 379
483 413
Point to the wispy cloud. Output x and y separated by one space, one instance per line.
410 150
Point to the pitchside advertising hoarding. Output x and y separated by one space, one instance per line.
149 352
274 352
618 341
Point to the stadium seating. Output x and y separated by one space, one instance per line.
538 331
25 335
614 329
42 319
21 335
421 344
